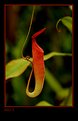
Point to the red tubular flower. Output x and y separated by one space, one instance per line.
38 66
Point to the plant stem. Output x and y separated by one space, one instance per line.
48 56
28 31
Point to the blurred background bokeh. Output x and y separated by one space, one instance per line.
58 77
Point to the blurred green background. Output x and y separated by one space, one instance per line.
58 76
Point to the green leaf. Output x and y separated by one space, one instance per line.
44 103
16 67
67 21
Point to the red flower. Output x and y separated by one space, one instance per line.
38 66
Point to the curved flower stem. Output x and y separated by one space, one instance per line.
48 56
28 31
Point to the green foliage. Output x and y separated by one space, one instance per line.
68 101
67 21
55 85
19 88
16 67
44 103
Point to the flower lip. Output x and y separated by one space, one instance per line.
38 33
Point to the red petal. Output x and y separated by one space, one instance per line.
38 66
